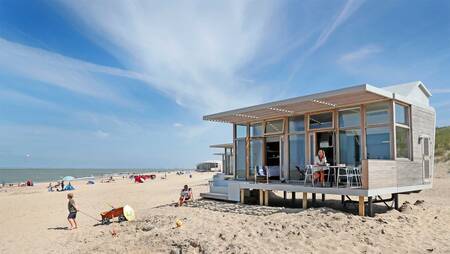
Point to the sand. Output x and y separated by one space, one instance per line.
34 221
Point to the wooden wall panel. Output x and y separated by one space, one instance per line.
391 173
409 173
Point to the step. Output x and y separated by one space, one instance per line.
213 195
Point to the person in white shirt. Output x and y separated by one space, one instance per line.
320 160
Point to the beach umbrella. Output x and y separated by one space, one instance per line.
68 178
128 212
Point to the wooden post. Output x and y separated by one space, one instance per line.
266 197
242 196
305 200
261 197
342 199
293 198
369 207
313 199
361 206
323 197
284 195
396 201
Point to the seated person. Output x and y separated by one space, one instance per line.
320 160
185 195
50 187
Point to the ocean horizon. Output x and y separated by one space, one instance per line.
16 175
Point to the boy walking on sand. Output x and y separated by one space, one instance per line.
72 212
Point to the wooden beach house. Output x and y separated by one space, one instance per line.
378 142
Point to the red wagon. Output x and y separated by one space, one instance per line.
113 213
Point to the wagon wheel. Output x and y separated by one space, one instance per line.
122 218
105 221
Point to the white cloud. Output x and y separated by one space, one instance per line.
58 70
360 54
177 125
193 51
101 134
349 8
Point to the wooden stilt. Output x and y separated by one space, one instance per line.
396 201
261 197
370 207
266 197
293 198
284 195
323 197
305 200
313 199
361 206
242 196
342 199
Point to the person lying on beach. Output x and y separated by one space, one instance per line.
72 212
185 195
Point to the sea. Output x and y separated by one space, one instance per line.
53 174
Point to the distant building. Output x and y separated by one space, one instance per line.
213 165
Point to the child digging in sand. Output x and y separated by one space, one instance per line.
72 212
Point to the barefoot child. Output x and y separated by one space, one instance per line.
72 211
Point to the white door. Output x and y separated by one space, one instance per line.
426 158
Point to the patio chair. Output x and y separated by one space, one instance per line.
309 174
261 174
302 172
352 176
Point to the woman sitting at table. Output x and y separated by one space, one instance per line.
320 160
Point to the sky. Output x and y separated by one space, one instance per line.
124 84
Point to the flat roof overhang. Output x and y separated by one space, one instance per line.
350 96
228 145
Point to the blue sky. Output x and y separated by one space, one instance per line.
125 83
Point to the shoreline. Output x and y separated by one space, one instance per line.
95 175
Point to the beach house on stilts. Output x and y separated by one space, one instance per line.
378 142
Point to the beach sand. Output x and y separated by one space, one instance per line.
34 221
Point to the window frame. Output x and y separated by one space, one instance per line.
358 127
389 125
333 120
293 133
274 133
401 125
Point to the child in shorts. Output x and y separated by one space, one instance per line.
72 212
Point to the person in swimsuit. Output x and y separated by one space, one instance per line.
185 195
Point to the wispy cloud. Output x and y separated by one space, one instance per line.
360 54
194 51
349 8
58 70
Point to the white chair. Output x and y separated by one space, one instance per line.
352 175
309 173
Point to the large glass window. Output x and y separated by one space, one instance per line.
401 138
274 126
401 114
350 147
296 124
349 118
241 131
256 158
240 158
377 113
296 155
378 143
256 130
323 120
